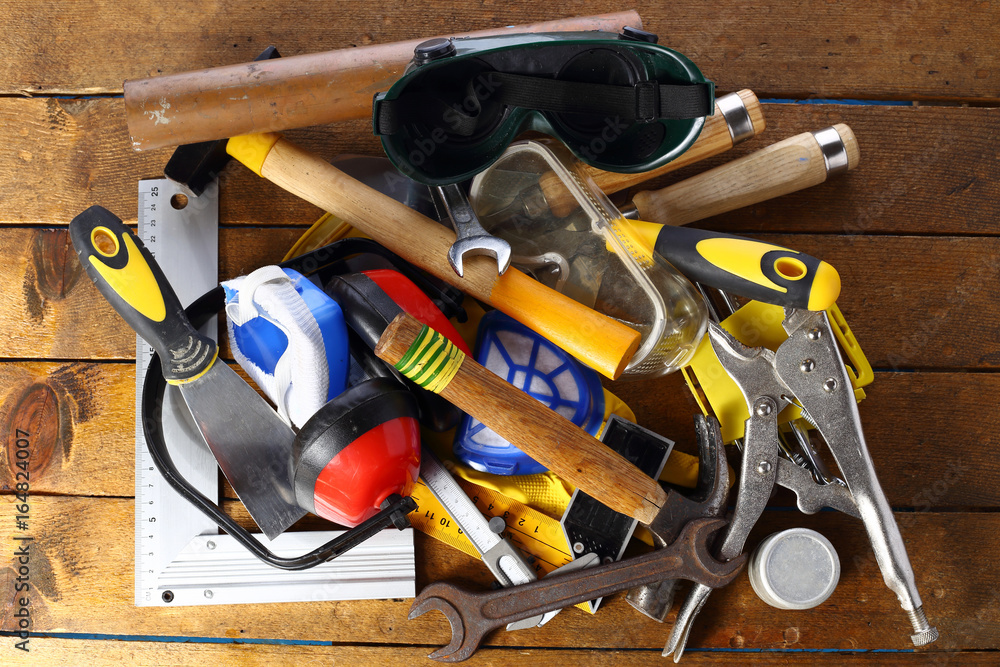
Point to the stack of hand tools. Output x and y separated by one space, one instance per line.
465 214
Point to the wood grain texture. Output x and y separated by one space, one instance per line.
913 231
915 302
779 168
903 314
50 309
80 419
853 48
52 651
923 170
83 547
912 422
546 436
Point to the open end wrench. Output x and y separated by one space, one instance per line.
471 239
473 615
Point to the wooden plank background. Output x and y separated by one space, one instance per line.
913 232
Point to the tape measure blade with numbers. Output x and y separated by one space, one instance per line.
537 535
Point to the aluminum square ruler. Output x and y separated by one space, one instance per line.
180 556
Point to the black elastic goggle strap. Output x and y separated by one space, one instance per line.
342 421
430 109
642 102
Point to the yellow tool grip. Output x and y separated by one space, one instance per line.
129 278
753 269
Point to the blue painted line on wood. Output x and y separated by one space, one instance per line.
171 639
881 103
307 642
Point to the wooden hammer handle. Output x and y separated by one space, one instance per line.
597 340
433 362
716 137
787 166
275 95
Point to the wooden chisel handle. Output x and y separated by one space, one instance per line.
433 362
798 162
737 117
595 339
297 91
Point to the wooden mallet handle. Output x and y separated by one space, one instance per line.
289 92
595 339
433 362
779 169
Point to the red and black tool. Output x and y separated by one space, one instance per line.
354 462
339 474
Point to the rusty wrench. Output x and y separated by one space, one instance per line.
473 615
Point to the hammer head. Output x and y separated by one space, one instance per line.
198 165
707 500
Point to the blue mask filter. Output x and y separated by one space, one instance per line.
542 370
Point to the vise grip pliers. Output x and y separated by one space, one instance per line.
807 370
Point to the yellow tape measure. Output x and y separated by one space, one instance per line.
536 534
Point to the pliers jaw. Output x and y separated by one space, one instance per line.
807 369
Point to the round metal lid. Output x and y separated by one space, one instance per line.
794 569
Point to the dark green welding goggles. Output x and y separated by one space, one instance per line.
620 102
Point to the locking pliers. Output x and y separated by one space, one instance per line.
807 370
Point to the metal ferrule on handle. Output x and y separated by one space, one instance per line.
799 162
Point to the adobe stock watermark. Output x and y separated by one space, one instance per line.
923 502
485 86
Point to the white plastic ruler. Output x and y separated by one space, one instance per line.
180 556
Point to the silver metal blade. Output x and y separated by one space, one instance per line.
251 443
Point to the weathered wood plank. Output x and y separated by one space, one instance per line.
80 149
50 309
915 302
59 651
83 547
902 311
82 418
923 170
844 49
81 422
908 420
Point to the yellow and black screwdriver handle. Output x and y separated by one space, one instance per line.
132 282
753 269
